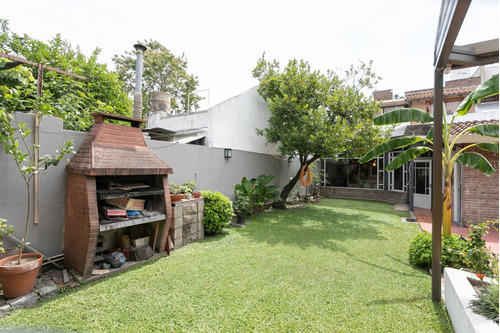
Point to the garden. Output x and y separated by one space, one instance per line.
339 265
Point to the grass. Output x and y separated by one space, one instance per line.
337 266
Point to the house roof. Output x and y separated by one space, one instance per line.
469 137
457 128
429 93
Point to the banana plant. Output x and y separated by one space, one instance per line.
451 156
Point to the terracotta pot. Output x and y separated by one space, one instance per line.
18 280
480 276
176 197
196 194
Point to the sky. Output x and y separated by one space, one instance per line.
223 39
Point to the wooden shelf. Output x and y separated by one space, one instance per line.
131 222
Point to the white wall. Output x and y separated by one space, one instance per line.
230 124
178 122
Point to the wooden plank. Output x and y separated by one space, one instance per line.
131 222
156 235
65 276
32 63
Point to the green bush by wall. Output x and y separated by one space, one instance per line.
217 213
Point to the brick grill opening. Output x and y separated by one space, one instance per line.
117 153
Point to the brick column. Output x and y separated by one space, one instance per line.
81 223
168 212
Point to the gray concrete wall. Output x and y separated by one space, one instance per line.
47 235
214 173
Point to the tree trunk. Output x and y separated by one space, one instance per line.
447 208
285 192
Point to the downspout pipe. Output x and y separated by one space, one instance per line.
140 49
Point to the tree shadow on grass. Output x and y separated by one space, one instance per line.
319 226
388 269
439 308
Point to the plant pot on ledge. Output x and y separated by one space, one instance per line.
176 197
18 280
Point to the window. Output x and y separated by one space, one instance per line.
397 178
349 173
451 107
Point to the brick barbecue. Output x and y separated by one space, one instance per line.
112 153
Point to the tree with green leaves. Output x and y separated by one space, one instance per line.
162 71
451 153
64 97
316 115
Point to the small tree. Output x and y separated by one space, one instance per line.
13 136
316 115
162 71
450 157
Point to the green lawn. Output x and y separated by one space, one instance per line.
337 266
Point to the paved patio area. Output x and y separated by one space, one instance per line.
424 218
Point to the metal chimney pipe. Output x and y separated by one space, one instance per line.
140 49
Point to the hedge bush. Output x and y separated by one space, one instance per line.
453 251
218 212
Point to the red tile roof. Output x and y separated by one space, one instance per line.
457 128
429 93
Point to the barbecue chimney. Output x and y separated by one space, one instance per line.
140 49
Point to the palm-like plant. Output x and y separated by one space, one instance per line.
450 156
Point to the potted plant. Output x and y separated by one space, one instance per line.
192 188
176 192
242 208
18 273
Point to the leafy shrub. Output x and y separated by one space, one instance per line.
255 193
479 258
218 212
420 252
487 302
453 251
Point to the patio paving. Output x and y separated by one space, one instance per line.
424 218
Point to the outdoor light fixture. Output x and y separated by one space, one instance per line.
228 153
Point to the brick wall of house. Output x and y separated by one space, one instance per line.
81 225
419 104
480 193
469 82
382 95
